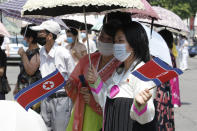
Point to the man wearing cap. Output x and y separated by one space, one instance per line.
55 109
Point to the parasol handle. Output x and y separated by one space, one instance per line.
84 11
152 24
152 88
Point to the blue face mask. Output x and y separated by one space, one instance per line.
83 35
69 40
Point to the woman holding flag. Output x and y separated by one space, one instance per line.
84 104
126 101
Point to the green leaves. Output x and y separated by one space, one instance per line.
183 8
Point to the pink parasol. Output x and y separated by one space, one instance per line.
147 13
3 30
168 19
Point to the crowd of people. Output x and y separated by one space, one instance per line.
110 98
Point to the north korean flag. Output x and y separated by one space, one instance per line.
40 90
157 71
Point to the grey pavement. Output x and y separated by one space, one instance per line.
185 116
12 74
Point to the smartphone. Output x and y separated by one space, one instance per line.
82 80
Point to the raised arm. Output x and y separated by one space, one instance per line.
142 109
1 71
30 66
3 60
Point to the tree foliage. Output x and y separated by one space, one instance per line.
183 8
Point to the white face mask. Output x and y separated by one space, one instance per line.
120 52
105 49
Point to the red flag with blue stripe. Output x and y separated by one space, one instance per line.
39 90
157 71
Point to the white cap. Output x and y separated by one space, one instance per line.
49 25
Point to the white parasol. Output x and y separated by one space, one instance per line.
13 117
63 7
158 46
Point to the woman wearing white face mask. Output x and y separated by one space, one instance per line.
106 64
105 46
126 100
77 49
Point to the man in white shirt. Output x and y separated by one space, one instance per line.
184 53
56 109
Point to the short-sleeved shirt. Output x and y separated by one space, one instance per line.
57 57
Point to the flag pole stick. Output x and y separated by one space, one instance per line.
152 88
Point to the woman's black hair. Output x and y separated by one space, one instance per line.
72 31
123 17
168 37
27 32
114 20
137 39
111 27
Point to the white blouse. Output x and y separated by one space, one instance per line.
129 87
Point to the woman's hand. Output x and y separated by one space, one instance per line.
68 85
143 97
86 94
92 75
